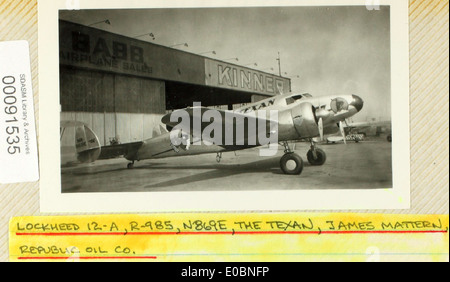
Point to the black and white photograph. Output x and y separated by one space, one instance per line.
230 99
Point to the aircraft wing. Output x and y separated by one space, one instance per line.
230 121
369 124
120 150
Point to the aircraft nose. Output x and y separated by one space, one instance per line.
357 102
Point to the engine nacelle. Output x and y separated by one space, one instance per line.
305 120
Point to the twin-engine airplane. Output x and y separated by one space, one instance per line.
300 117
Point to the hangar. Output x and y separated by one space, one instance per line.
121 86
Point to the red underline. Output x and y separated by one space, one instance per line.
228 232
83 258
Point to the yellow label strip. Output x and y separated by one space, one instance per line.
230 237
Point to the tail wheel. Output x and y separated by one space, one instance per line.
291 164
320 158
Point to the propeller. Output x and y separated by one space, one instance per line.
321 114
320 125
341 128
346 122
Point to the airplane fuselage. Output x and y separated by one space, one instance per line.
331 109
199 130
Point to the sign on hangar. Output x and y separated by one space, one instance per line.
89 48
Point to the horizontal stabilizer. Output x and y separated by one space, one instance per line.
128 151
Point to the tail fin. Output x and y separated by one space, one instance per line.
87 144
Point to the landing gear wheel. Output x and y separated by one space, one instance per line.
130 165
320 159
291 164
389 138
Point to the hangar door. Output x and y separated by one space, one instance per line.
116 107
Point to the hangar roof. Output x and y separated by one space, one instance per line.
94 49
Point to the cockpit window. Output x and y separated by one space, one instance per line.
297 97
300 96
290 100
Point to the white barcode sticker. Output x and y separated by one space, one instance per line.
18 144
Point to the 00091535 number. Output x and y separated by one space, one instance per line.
12 128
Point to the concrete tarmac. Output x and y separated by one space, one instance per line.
363 165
